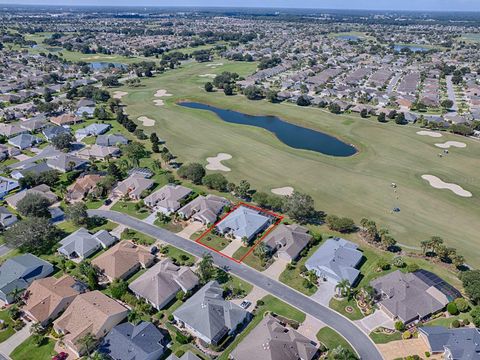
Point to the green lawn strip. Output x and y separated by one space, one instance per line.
94 204
382 338
251 260
170 226
128 207
139 237
9 330
29 351
331 339
237 283
178 255
215 241
271 304
340 305
447 321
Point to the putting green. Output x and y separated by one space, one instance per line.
358 186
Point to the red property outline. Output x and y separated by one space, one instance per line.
278 217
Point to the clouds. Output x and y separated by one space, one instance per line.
418 5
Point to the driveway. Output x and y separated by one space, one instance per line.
190 229
377 319
16 339
324 293
359 340
150 219
310 327
4 249
275 269
231 248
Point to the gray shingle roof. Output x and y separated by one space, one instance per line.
463 344
288 240
244 222
83 244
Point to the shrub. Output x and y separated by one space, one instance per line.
452 308
455 323
170 317
180 353
466 322
462 305
260 303
399 326
412 267
407 335
427 354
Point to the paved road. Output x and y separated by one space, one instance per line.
359 340
451 92
48 151
393 82
4 249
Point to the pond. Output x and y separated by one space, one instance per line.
290 134
414 48
100 65
349 37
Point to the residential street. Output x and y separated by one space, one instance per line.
357 338
451 92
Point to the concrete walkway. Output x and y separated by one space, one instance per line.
16 339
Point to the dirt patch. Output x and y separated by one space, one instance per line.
146 121
449 144
283 191
215 163
119 94
429 133
162 93
440 184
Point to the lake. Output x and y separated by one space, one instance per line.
349 37
290 134
414 48
100 65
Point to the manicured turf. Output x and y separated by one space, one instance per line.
177 254
382 338
214 241
8 331
331 339
29 351
340 305
128 207
358 186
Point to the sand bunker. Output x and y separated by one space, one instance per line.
215 163
119 94
146 121
440 184
429 133
158 102
208 75
449 144
283 191
214 65
162 93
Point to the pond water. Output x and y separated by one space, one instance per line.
414 48
100 65
349 37
292 135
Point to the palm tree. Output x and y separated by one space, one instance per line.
435 242
425 245
341 353
157 164
87 342
344 288
262 251
16 294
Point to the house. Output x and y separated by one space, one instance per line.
336 260
287 241
52 131
24 141
134 342
271 340
81 244
91 312
92 130
34 124
411 297
122 260
111 140
46 298
187 356
82 186
99 152
453 344
7 185
133 186
66 162
160 284
85 111
11 130
31 168
42 189
7 219
244 222
168 198
204 208
208 316
65 119
20 271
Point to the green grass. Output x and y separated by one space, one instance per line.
214 241
177 254
170 226
447 322
331 339
235 282
251 260
128 207
382 338
357 186
339 306
29 351
9 331
139 237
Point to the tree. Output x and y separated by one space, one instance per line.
16 293
215 181
452 308
399 326
193 172
435 243
447 103
381 117
471 284
206 269
462 305
33 234
344 288
272 96
77 213
87 343
303 100
262 251
228 89
34 205
114 171
63 141
300 207
253 92
400 119
334 108
154 138
343 225
364 113
134 152
111 81
341 353
118 288
208 87
243 189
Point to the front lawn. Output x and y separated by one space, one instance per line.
215 241
251 260
177 255
138 237
29 351
128 207
382 338
170 226
340 305
331 339
8 331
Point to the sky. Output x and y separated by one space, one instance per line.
419 5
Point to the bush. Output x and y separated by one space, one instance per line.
182 339
452 308
462 305
170 317
180 353
455 323
260 303
412 268
399 326
407 335
427 354
465 322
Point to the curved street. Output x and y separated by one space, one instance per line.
357 338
